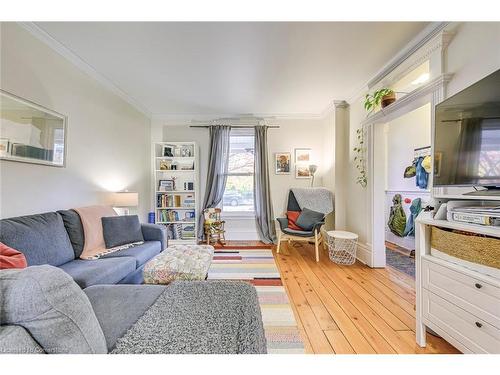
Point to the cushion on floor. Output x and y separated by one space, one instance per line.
141 253
100 271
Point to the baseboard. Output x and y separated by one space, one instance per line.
364 254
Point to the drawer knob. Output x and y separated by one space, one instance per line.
478 325
478 286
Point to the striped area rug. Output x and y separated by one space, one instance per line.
257 266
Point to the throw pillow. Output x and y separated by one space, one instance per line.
292 219
11 258
121 230
48 303
308 218
74 227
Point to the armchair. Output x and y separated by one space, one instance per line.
290 234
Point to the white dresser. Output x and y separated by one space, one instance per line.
457 299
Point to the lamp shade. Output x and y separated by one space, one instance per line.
124 199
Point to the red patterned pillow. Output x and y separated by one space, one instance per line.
292 219
10 258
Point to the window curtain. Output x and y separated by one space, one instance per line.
469 150
262 190
218 161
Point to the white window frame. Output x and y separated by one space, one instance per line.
240 214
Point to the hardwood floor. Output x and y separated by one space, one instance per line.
351 309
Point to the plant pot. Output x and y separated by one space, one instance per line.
388 99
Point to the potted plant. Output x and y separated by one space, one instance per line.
382 97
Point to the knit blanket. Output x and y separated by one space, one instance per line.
199 317
317 199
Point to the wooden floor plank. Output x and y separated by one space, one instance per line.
317 338
339 342
380 330
355 299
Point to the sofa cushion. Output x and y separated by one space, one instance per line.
100 271
118 307
309 218
299 233
52 308
73 225
16 340
292 217
41 238
141 253
11 258
121 230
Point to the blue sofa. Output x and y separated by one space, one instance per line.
48 239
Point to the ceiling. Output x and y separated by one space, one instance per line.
215 68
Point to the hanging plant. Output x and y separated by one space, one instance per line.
359 159
382 97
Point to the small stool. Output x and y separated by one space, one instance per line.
342 246
179 262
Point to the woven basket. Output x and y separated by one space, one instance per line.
480 250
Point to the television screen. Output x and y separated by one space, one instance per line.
467 136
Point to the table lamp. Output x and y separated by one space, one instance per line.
125 199
312 170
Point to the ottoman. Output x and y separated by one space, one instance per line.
179 262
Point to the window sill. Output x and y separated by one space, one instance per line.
238 215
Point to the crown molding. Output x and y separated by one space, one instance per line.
427 41
81 64
186 117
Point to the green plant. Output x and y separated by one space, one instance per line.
372 101
359 159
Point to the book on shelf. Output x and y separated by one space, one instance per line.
482 215
181 232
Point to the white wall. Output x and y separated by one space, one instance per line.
107 139
300 133
404 134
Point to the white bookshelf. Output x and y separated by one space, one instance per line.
180 163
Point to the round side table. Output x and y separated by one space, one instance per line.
342 246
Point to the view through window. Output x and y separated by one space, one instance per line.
238 195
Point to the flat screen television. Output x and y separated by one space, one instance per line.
467 137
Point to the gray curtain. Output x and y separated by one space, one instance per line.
262 191
469 150
218 159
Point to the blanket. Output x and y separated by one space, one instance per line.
199 317
92 229
316 199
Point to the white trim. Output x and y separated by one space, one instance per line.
76 60
364 254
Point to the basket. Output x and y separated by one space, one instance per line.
342 247
475 249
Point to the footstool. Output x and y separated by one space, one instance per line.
179 262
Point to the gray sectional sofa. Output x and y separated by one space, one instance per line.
56 239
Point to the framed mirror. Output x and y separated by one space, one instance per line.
31 133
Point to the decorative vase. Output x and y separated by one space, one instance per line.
388 99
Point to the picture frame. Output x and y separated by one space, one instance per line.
282 163
31 133
168 151
165 165
302 156
166 185
302 171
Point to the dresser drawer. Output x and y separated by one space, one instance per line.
474 333
476 296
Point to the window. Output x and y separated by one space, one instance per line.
238 195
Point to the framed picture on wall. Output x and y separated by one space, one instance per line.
302 171
282 162
302 156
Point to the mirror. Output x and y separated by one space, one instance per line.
31 133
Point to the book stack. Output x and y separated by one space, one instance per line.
187 232
189 201
168 200
481 215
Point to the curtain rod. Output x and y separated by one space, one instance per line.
240 126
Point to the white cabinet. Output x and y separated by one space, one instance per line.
460 304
